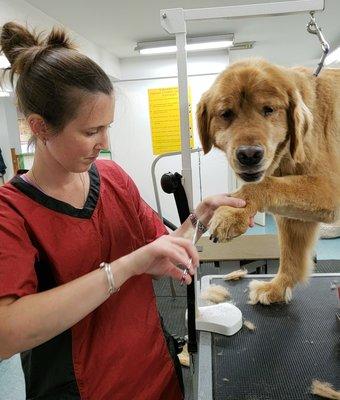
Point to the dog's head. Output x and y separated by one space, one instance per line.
254 112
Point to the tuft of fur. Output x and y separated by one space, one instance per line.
216 294
324 389
235 275
183 356
249 325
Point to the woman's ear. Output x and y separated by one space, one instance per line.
203 124
300 123
38 127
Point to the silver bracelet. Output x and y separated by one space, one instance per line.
107 268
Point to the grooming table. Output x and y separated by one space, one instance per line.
292 345
245 247
253 252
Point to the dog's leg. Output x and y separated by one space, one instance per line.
297 239
300 197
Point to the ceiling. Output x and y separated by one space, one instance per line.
118 25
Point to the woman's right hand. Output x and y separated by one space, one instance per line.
166 256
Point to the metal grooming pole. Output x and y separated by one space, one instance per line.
174 22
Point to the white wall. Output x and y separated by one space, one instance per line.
164 66
9 104
9 132
131 142
22 12
4 141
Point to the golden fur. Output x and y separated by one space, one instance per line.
295 118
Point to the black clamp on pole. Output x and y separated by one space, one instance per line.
172 183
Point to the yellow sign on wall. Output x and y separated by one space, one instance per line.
165 121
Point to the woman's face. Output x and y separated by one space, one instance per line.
78 144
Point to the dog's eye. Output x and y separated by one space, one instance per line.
228 114
267 110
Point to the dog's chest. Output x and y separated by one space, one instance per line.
286 167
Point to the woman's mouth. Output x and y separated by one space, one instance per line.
92 158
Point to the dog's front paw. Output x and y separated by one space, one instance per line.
229 222
269 292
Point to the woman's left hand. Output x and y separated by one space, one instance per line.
205 210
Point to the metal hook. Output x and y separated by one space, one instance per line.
313 28
312 24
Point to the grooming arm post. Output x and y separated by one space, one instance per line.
184 115
187 175
253 10
173 21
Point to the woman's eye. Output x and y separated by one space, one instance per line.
91 133
267 110
228 114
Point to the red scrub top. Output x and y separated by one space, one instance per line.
118 352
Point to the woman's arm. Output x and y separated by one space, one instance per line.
34 319
31 320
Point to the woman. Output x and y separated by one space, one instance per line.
79 247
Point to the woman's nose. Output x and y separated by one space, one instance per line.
104 142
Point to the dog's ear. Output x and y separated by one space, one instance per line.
203 123
300 122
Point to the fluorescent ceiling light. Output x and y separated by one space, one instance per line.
159 50
193 44
4 63
333 57
222 44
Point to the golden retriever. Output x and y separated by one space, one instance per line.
280 130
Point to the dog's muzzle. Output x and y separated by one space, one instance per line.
249 159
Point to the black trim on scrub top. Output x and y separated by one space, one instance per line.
48 368
58 205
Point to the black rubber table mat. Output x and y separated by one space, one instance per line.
292 345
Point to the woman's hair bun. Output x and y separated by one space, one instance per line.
22 47
16 38
58 38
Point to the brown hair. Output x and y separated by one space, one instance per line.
53 77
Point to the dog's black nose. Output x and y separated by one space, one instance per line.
249 155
